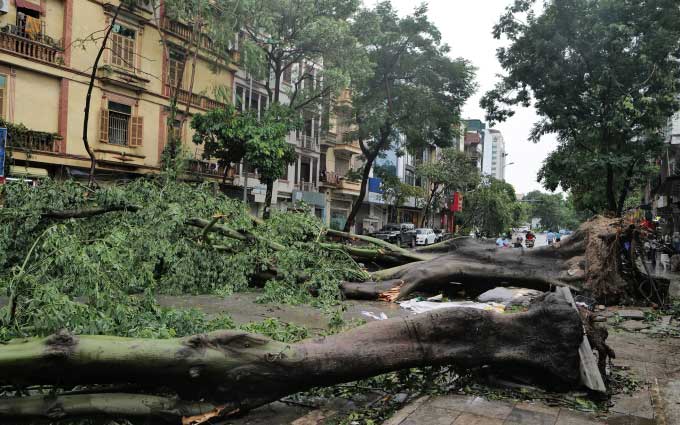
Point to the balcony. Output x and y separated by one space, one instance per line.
308 142
197 100
208 169
350 187
329 178
32 141
306 186
39 47
348 148
184 31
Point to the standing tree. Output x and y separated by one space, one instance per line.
604 76
414 88
267 150
311 37
224 133
554 211
490 207
453 171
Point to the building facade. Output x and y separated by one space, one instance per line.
662 194
47 50
45 65
496 164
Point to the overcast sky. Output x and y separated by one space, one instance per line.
466 27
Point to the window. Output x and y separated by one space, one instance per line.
119 123
288 74
29 24
409 177
123 47
119 127
3 96
244 101
310 75
175 65
175 130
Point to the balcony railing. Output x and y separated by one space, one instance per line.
329 177
185 32
30 140
207 168
38 46
306 186
308 142
196 99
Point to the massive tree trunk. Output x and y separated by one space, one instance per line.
234 371
368 164
594 259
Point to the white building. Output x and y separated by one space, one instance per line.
493 163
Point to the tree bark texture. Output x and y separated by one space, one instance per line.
362 191
238 370
589 260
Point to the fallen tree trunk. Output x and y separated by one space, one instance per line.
239 371
590 260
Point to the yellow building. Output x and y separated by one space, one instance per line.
47 50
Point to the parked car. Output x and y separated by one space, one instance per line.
565 232
400 234
442 235
425 237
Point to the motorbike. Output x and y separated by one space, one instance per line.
529 243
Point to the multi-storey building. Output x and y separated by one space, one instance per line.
47 51
496 163
662 194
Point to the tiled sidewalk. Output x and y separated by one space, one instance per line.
471 410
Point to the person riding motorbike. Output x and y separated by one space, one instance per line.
530 240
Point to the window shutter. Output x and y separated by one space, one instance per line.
2 102
104 126
136 131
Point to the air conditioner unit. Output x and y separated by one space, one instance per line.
4 6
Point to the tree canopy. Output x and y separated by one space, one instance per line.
452 172
414 88
277 35
231 136
224 133
490 208
554 210
604 78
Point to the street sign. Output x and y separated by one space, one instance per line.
3 145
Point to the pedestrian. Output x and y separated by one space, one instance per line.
550 237
499 242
